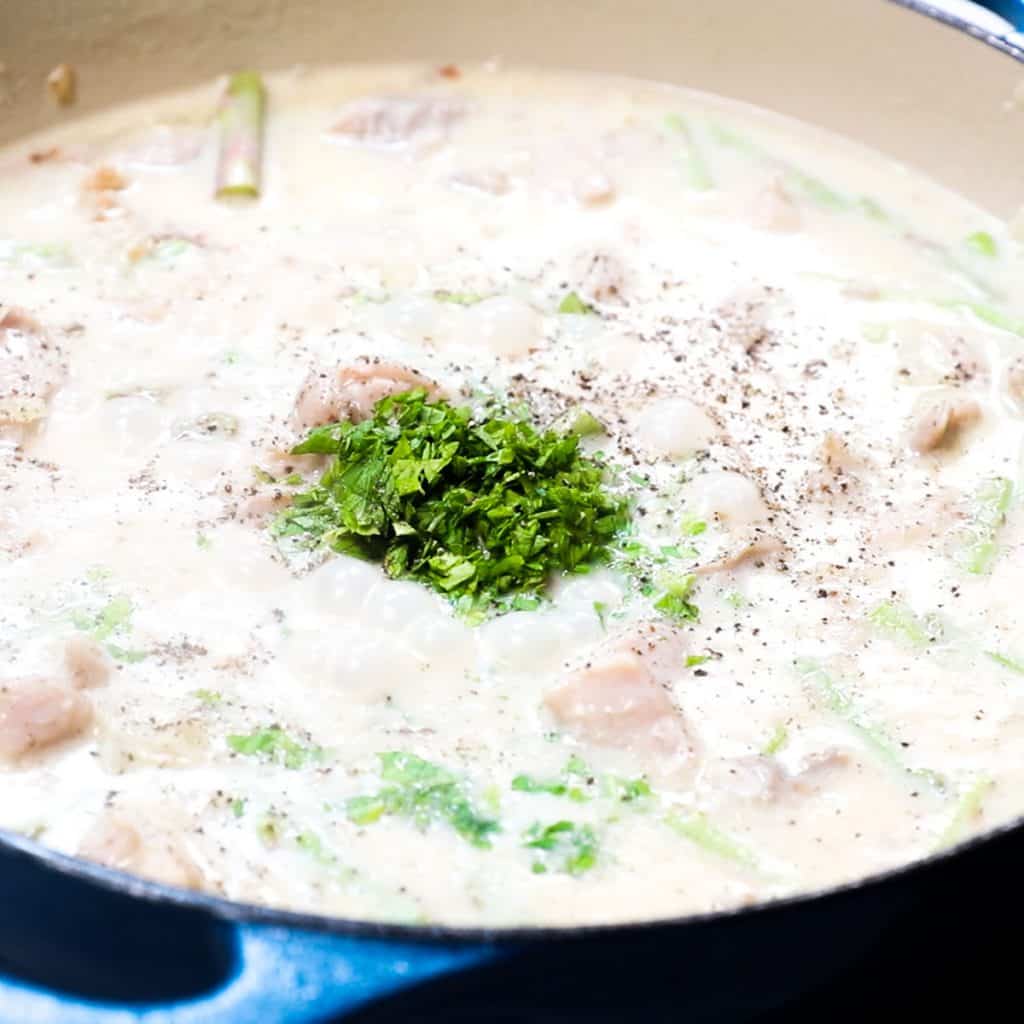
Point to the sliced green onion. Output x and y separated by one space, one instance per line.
241 143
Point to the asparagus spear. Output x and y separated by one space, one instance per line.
241 144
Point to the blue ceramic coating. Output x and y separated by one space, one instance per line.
279 975
1011 10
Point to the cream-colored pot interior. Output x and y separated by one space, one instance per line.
916 89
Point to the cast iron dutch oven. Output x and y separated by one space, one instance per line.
80 942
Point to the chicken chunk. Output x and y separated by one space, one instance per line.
117 843
350 392
88 665
31 371
615 700
38 713
399 121
939 425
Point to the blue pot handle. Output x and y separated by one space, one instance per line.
278 974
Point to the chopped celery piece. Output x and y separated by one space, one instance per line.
574 305
779 738
698 174
1013 664
901 623
988 313
992 502
839 702
968 808
241 144
982 243
39 254
699 829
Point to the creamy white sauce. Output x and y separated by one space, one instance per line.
751 312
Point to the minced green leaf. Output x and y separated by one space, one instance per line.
778 739
564 845
273 744
982 243
693 660
901 623
424 793
572 303
211 698
482 510
673 601
563 786
238 806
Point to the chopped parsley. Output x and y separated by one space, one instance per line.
573 304
115 618
778 739
208 698
626 791
483 510
693 660
673 599
902 624
562 786
238 806
424 793
564 845
274 744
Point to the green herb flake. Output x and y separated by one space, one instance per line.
209 698
273 744
899 622
673 599
483 510
574 305
424 793
693 660
778 739
569 847
982 243
238 806
575 768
